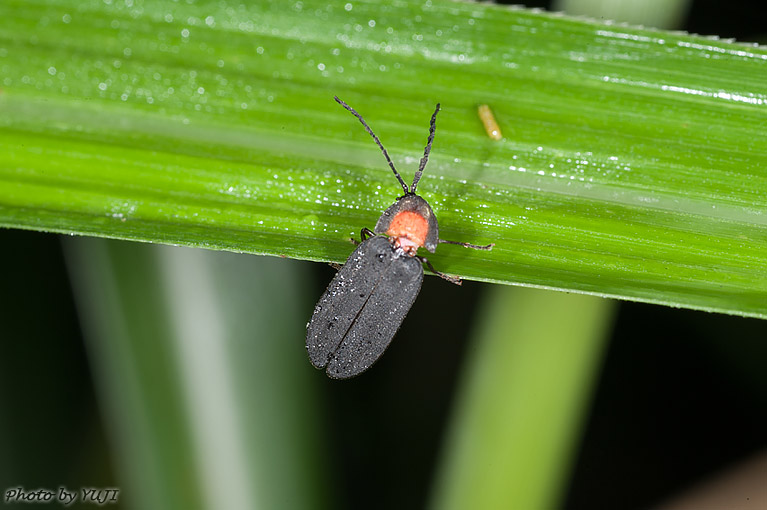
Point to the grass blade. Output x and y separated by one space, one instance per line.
203 384
522 400
633 163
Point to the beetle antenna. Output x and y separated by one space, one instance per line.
386 154
426 151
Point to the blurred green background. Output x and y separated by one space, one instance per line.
179 376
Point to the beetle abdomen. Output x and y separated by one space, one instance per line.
362 308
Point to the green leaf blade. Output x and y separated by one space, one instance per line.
632 163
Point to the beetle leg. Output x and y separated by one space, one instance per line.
365 234
467 245
451 279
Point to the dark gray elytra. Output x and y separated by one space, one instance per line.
362 308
